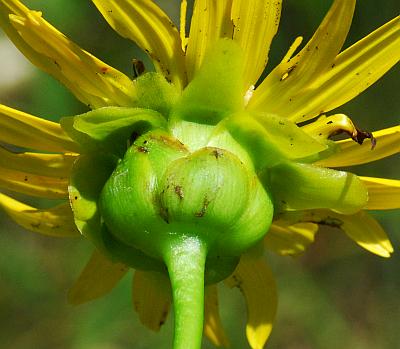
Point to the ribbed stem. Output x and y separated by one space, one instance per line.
185 261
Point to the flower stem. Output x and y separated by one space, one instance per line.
185 261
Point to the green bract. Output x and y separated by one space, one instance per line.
185 184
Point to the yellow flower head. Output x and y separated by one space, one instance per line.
188 173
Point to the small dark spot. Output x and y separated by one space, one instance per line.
35 225
145 141
57 64
217 153
329 122
143 149
179 192
203 210
333 65
357 74
281 123
75 198
26 178
109 11
104 70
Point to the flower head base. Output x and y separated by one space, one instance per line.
188 171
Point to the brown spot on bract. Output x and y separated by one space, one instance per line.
217 153
179 191
143 149
203 210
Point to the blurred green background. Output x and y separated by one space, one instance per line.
334 296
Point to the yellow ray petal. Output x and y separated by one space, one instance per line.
352 153
210 21
51 165
143 22
92 81
182 24
255 24
98 278
255 280
278 91
151 294
57 221
384 194
24 130
360 227
352 72
213 328
285 238
34 185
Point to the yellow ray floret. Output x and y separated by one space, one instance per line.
349 74
34 185
292 76
351 153
210 21
24 130
98 278
151 295
57 221
255 24
213 328
255 280
92 81
51 165
384 194
285 238
149 27
182 24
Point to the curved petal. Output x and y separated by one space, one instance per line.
51 165
352 72
210 21
360 227
255 24
34 185
57 221
151 294
143 22
213 328
255 280
24 130
285 238
182 24
351 153
384 194
89 79
277 93
98 278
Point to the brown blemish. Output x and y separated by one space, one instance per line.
143 149
217 153
179 192
203 210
